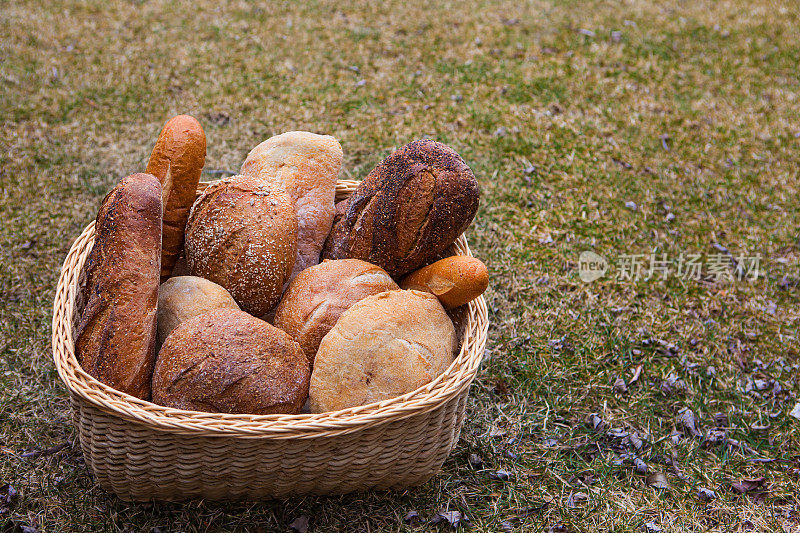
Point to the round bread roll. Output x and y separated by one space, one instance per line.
226 361
384 346
242 234
318 296
183 297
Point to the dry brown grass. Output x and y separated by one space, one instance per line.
87 85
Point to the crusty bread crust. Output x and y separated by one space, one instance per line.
242 234
226 361
454 280
410 208
384 346
116 333
305 165
177 161
318 296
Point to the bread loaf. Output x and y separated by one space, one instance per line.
319 295
177 161
116 333
410 208
183 297
384 346
242 235
305 165
226 361
454 280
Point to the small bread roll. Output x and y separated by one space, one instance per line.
384 346
305 165
177 161
319 295
226 361
242 234
454 280
183 297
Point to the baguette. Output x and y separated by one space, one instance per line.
177 161
454 280
116 333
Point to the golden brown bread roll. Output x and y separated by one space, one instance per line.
384 346
318 296
305 165
226 361
183 297
177 161
116 334
242 234
408 210
454 280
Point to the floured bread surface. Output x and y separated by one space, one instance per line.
305 165
319 295
226 361
384 346
242 235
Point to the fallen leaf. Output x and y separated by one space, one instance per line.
501 475
687 422
453 518
8 498
299 524
475 460
641 466
411 517
657 480
796 411
744 486
620 386
651 527
706 495
631 205
637 373
594 421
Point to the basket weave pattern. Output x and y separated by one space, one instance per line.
142 451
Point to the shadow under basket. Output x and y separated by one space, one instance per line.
142 451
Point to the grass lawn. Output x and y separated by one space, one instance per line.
649 133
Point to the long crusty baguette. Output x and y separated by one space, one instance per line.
177 161
454 280
116 333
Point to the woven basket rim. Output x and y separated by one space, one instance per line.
458 376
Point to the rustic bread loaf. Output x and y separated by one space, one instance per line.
384 346
454 280
410 208
183 297
116 333
305 165
177 161
319 295
226 361
242 234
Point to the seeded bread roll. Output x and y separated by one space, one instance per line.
183 297
177 161
319 295
226 361
410 208
242 235
305 165
384 346
116 334
454 280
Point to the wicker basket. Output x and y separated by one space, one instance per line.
142 451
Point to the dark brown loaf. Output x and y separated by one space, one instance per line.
177 161
411 207
116 333
242 234
226 361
